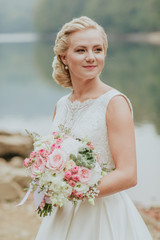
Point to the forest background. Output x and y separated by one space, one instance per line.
28 93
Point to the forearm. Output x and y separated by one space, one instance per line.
116 181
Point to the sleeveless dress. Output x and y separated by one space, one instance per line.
112 217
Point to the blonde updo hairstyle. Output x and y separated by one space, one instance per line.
60 72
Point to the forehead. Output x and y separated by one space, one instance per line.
85 37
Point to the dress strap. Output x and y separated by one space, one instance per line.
112 93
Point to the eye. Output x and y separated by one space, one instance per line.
98 50
80 50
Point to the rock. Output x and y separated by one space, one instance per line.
19 176
5 172
10 191
16 162
12 182
15 145
2 162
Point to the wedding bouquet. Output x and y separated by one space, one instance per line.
62 168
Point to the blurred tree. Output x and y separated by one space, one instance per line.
134 70
16 16
115 16
50 15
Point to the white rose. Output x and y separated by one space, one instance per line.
95 175
81 187
70 145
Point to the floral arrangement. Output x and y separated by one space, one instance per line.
62 169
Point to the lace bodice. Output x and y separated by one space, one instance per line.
87 119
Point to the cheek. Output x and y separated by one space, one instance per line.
101 60
73 59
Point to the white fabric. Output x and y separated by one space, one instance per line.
113 217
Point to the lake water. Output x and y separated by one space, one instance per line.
28 96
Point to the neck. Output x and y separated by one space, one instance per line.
83 90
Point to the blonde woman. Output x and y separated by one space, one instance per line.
105 115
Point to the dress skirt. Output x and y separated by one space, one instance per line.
114 217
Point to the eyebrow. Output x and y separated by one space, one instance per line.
81 46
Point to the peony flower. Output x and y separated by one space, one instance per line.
84 174
37 168
56 160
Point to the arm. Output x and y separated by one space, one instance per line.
122 145
54 114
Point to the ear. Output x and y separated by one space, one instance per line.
64 59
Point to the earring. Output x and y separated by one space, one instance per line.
66 67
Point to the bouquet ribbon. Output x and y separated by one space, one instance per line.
38 196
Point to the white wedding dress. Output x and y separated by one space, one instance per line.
112 217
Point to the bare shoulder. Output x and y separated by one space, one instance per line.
119 110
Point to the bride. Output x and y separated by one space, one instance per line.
105 115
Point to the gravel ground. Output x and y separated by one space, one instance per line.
22 223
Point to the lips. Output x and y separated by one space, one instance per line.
90 66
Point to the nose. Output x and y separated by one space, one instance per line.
90 56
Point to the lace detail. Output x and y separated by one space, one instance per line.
87 119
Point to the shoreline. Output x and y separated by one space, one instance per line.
152 38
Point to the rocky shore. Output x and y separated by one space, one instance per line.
22 222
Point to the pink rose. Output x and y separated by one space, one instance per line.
84 174
71 183
59 140
73 192
91 146
41 151
33 154
55 134
30 160
74 169
58 147
56 160
78 194
37 167
53 146
68 175
26 162
75 177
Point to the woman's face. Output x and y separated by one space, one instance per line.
85 56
